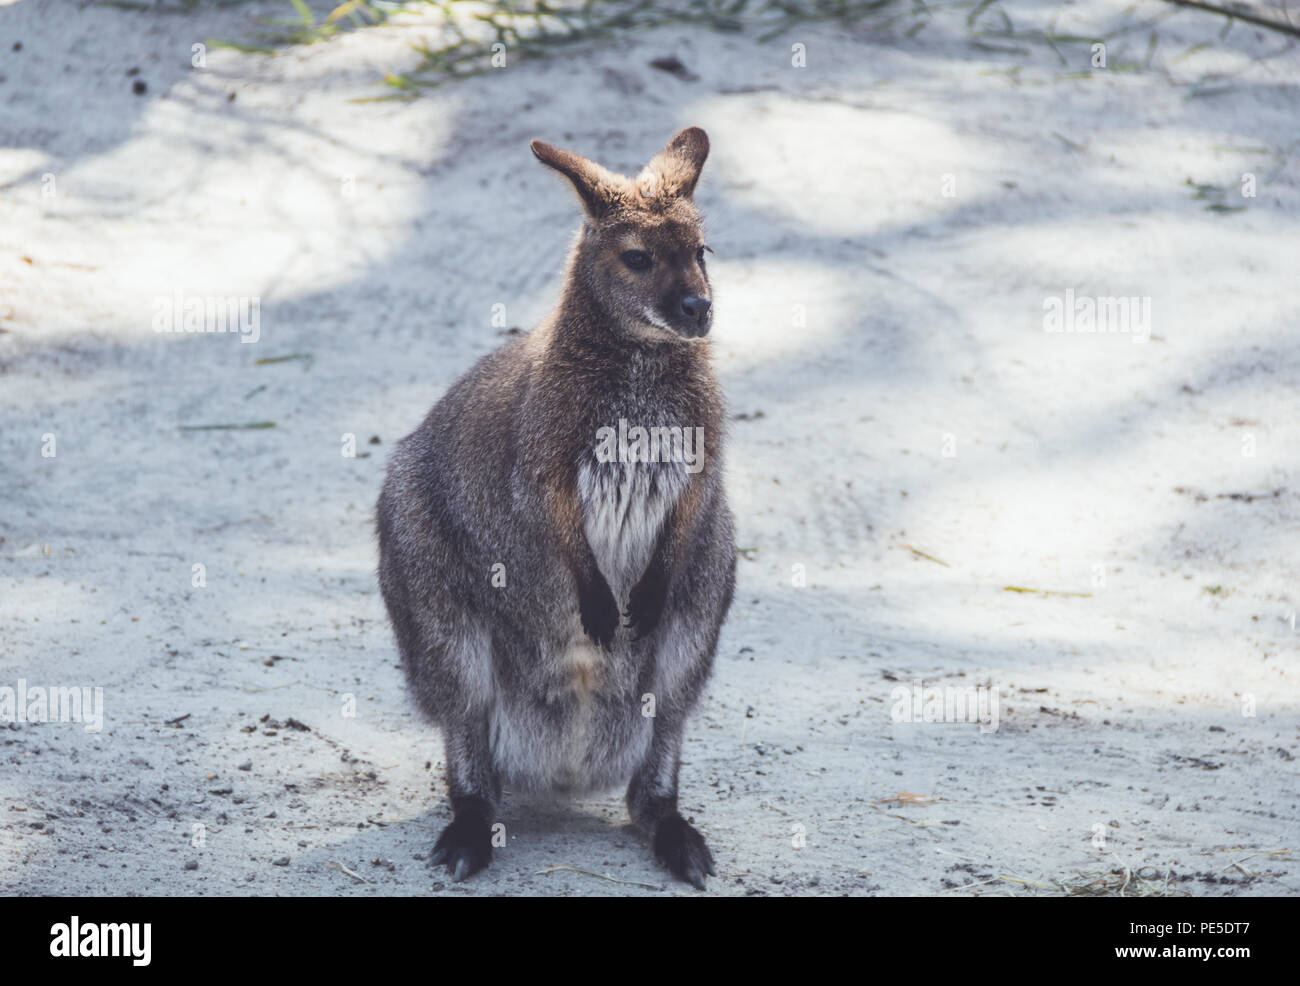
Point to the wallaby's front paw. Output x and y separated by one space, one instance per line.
682 849
465 847
646 604
599 611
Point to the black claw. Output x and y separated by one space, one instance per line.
682 849
646 602
599 611
464 847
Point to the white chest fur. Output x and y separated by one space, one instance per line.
624 506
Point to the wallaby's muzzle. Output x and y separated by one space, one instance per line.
699 313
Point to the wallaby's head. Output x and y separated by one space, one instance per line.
641 250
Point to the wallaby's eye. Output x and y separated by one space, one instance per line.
699 254
637 259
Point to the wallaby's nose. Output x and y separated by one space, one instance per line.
695 307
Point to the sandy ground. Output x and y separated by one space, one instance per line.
889 222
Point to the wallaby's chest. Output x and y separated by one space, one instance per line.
624 508
647 447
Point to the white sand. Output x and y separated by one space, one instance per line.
866 315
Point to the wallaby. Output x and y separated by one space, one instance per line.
571 478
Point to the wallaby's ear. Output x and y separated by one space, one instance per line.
600 190
673 172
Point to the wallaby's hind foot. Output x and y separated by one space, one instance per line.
681 848
465 846
652 804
